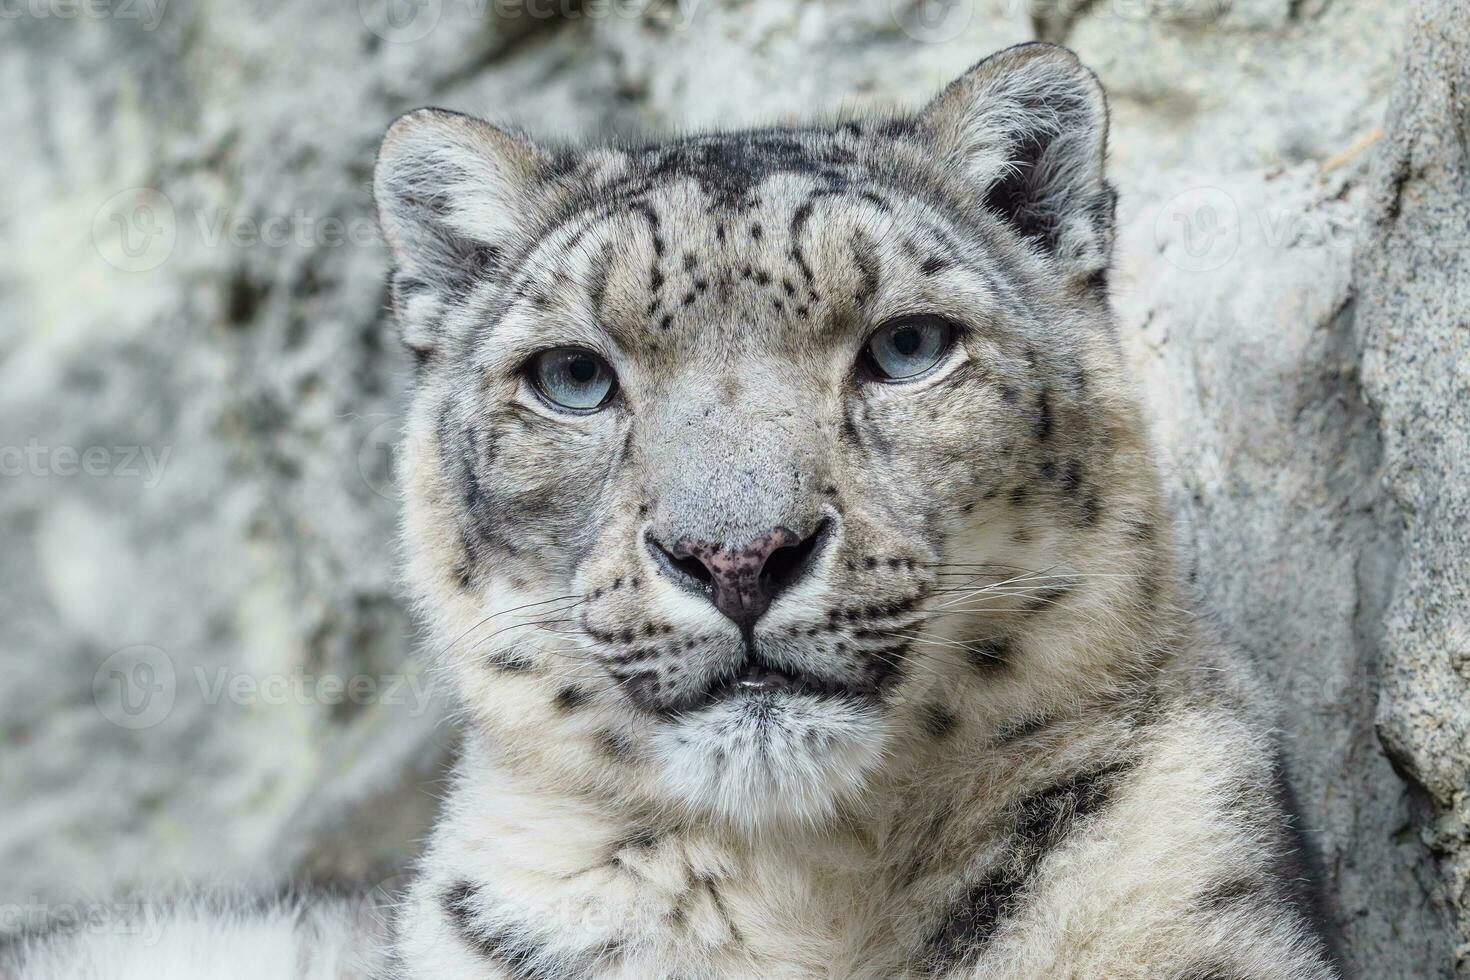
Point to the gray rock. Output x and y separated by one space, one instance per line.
1413 276
1291 277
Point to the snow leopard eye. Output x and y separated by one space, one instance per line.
573 378
906 347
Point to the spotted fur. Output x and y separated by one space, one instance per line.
1013 752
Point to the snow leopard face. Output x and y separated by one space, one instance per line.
738 466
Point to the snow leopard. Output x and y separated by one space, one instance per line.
781 505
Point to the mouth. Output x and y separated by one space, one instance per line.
757 679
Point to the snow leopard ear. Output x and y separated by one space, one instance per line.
1028 127
453 194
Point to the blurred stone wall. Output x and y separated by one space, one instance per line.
208 673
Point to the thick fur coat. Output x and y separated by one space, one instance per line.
774 664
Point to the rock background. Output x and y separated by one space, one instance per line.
192 278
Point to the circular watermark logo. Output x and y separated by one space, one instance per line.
135 229
400 21
1198 230
932 21
135 687
375 456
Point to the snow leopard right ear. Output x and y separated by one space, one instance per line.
1027 128
453 195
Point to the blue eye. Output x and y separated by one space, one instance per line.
573 378
909 346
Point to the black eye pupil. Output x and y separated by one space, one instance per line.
583 370
906 341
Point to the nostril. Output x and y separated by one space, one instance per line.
789 563
692 567
687 568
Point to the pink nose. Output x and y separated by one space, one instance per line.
744 580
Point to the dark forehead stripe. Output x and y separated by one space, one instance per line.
729 167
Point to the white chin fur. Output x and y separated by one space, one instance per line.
770 759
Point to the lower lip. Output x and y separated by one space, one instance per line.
764 684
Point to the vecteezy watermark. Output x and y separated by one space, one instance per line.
135 230
1202 228
406 21
298 687
298 229
138 229
1198 229
137 688
36 458
375 454
147 12
96 918
932 21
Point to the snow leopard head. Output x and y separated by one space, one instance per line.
743 469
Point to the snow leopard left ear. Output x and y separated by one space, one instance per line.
1028 127
454 194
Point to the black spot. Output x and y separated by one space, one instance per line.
989 654
865 254
938 721
933 266
615 746
755 231
666 322
1141 531
799 218
569 699
1072 478
508 661
1018 495
1043 416
638 840
1020 729
1231 890
885 664
849 427
1047 598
